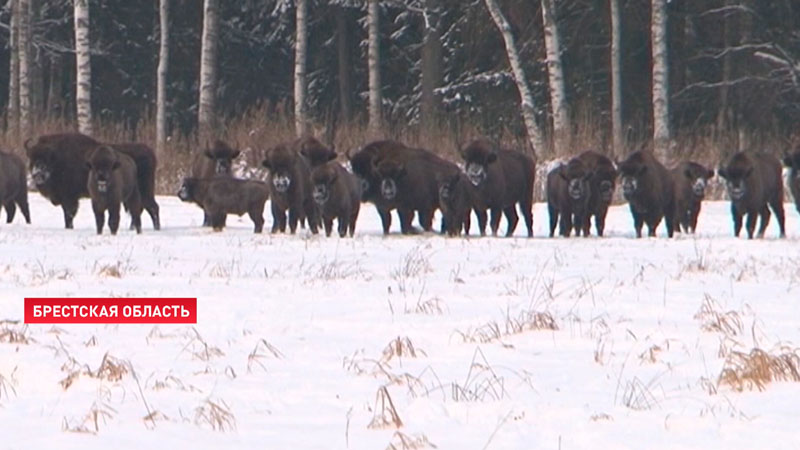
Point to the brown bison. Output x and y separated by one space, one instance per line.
793 163
365 163
13 186
503 178
601 188
112 182
215 160
568 193
690 180
58 167
290 189
314 151
753 182
337 193
457 198
647 186
220 196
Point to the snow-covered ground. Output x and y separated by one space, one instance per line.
313 342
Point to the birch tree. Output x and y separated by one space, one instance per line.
431 64
343 64
555 72
658 27
526 98
161 88
83 91
23 47
616 81
208 68
13 76
373 61
300 50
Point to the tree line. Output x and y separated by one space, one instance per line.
553 75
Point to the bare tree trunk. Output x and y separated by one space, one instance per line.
618 144
55 104
161 88
526 99
555 72
24 68
431 66
36 64
13 77
661 129
208 69
300 51
83 80
373 60
343 51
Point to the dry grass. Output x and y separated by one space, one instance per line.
216 414
7 386
638 396
401 441
12 334
525 320
414 264
754 370
481 384
384 414
110 369
429 307
90 422
401 347
262 350
713 319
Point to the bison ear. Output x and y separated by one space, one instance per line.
332 156
710 173
562 173
235 154
115 166
401 171
491 158
265 163
723 173
787 160
688 174
208 154
88 164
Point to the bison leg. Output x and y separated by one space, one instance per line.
737 220
328 223
512 218
151 207
11 210
751 224
99 217
293 218
278 219
587 225
354 218
217 220
257 216
600 220
113 218
405 220
777 207
467 223
22 202
386 219
134 206
342 222
565 224
638 223
426 219
527 216
481 213
670 223
70 210
553 213
765 215
495 221
652 226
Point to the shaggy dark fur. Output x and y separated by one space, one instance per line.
457 197
13 186
793 163
112 182
503 178
568 193
220 196
690 180
290 189
217 159
58 167
601 188
647 186
754 181
314 151
337 193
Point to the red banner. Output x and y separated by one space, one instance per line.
111 310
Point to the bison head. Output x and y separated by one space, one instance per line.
41 157
793 163
322 179
281 162
314 152
577 176
222 156
632 173
737 174
103 161
362 164
477 157
186 192
389 172
446 184
698 177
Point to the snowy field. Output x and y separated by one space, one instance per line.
307 342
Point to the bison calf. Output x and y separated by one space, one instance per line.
13 186
457 197
220 196
753 182
337 193
690 180
568 195
111 182
601 188
793 163
647 186
290 189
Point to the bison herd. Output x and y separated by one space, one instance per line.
309 187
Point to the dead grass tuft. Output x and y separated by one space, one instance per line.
7 386
401 347
638 396
89 423
713 319
526 320
10 334
431 306
758 368
216 414
384 413
401 441
262 350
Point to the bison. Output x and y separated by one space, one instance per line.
753 182
568 193
601 188
290 189
314 151
690 180
503 178
215 160
457 197
58 167
793 163
112 182
647 186
13 186
337 193
220 196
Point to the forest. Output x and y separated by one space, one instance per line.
552 77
